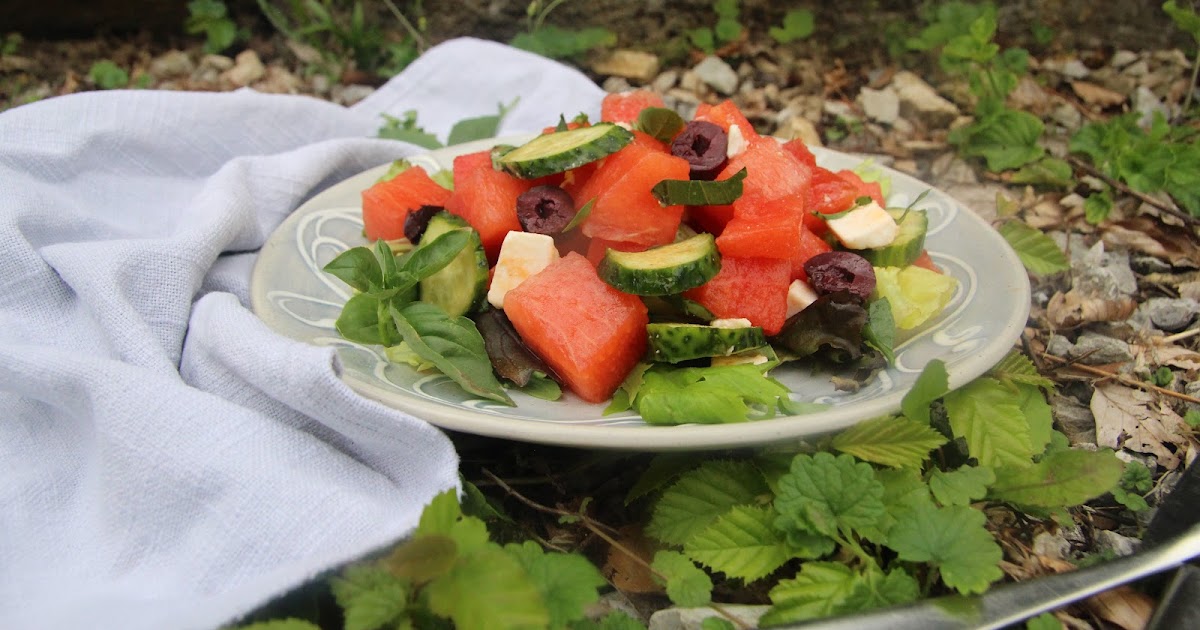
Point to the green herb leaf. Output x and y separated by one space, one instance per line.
479 128
1048 171
660 122
703 39
797 24
671 192
892 441
444 178
961 486
880 589
1097 207
108 75
955 540
543 387
819 590
1037 252
453 344
581 215
985 414
880 331
1135 482
360 321
1006 139
931 384
560 43
568 583
704 395
903 489
394 169
1015 367
687 585
1044 621
406 130
358 268
791 407
488 589
827 495
1064 478
693 502
1038 416
476 503
440 515
742 543
371 596
431 257
423 558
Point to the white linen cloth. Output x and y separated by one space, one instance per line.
166 461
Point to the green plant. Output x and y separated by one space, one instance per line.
406 128
108 75
727 29
10 44
555 42
1131 490
1188 21
797 24
211 19
338 29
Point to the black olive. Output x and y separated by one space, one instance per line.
830 272
417 220
703 145
545 210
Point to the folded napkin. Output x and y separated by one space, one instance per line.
166 461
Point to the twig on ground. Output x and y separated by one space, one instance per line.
1095 371
1169 209
1181 336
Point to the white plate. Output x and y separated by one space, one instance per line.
295 298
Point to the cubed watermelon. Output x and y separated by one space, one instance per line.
725 114
487 199
763 235
625 106
811 244
828 193
863 188
752 288
624 208
386 205
589 333
797 148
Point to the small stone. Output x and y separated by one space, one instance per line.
351 94
614 602
1069 68
692 618
279 81
1067 116
951 168
665 81
1173 56
171 64
1137 69
690 81
1051 545
1147 104
839 110
1030 95
1093 94
802 128
1060 346
1123 58
1105 274
1093 349
631 64
717 74
880 105
921 103
1171 314
614 85
247 69
220 63
319 83
1074 419
1112 541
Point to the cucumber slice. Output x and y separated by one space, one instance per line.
461 286
665 270
673 343
562 151
908 244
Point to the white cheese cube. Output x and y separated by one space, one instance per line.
799 296
865 227
753 358
732 322
737 142
522 254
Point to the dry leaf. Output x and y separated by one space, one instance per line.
1147 236
1157 354
1124 607
1093 94
1135 420
1190 289
1074 307
626 573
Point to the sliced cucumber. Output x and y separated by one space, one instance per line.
665 270
673 343
461 286
562 151
908 244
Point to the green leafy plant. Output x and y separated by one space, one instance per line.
405 128
108 75
10 44
211 19
1039 254
797 24
871 516
727 29
340 29
1135 482
555 42
1188 21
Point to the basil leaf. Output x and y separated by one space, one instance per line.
542 386
671 192
453 344
387 264
356 267
470 129
660 122
880 331
430 258
562 123
580 216
360 321
397 167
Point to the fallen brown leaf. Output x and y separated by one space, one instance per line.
1075 307
626 573
1093 94
1147 236
1156 354
1138 421
1124 607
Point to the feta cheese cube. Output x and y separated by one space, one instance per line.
522 254
865 227
737 142
732 322
799 296
752 358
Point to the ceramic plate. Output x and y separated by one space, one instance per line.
295 298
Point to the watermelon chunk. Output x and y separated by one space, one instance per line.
763 235
752 288
625 106
828 193
725 114
590 333
386 205
800 150
863 188
487 199
624 208
811 244
771 173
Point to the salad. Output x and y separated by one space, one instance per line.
643 262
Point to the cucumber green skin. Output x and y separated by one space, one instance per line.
909 243
671 279
461 286
673 343
613 140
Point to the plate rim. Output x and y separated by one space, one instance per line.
774 430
